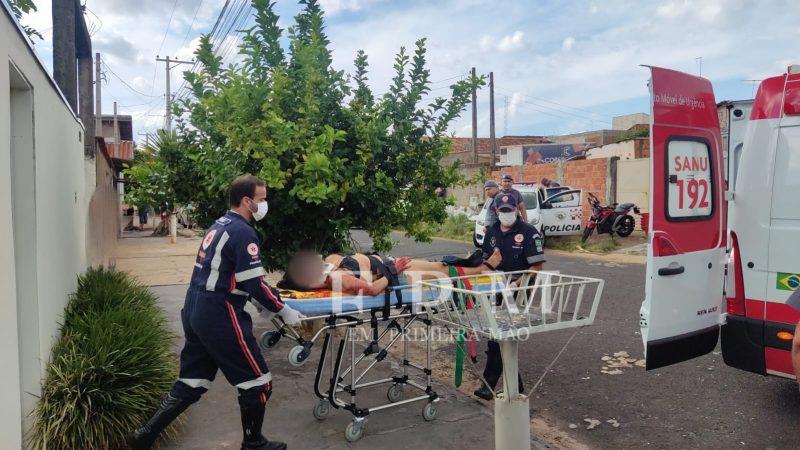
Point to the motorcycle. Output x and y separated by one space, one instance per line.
612 219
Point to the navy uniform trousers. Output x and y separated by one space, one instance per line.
219 336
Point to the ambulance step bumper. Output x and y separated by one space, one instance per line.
743 344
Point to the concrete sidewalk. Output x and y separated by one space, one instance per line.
213 423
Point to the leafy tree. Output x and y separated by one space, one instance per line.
333 154
156 176
20 8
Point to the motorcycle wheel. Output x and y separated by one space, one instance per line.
586 233
625 226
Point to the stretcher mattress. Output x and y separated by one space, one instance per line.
310 306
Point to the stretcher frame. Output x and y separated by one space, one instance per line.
345 375
543 301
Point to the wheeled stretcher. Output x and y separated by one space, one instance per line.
344 364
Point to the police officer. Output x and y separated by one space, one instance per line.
490 189
218 332
507 182
521 248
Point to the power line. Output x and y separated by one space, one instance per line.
223 14
191 24
166 32
564 114
225 36
105 64
554 114
463 75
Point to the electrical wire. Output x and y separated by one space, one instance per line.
184 89
189 30
556 112
166 32
105 64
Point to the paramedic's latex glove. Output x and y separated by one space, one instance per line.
402 264
290 316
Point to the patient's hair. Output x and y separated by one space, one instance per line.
293 278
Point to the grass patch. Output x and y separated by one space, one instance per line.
457 227
595 244
109 368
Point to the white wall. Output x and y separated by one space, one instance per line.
633 182
513 156
623 150
43 213
626 121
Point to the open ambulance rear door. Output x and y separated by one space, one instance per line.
680 316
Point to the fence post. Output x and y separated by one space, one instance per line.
611 179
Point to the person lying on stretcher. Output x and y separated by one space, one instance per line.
371 274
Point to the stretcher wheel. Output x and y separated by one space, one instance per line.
322 409
354 431
429 412
268 339
298 355
395 392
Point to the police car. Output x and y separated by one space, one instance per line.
553 211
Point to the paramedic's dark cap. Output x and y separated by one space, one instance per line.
490 184
507 177
506 202
794 300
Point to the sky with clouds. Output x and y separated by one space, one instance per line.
560 66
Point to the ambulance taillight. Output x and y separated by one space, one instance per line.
735 300
662 246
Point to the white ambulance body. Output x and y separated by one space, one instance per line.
689 300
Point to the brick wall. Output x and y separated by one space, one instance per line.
591 175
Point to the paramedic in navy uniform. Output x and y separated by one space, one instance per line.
521 248
218 332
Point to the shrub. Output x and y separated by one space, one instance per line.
108 369
457 227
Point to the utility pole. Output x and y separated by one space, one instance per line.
474 120
65 69
170 64
98 113
116 133
146 138
491 120
505 115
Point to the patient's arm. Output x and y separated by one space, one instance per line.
349 284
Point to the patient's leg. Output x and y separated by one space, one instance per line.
420 269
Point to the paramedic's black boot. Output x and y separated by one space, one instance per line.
169 409
252 419
484 392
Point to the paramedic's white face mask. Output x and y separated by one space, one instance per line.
261 210
507 218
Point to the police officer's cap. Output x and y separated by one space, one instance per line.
506 203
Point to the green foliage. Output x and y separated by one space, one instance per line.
22 7
160 175
334 155
596 244
109 367
457 227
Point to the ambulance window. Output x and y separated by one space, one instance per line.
690 190
786 184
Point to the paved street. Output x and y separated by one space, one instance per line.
701 403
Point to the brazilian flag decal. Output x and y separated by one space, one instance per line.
787 281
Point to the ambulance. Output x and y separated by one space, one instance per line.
723 256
